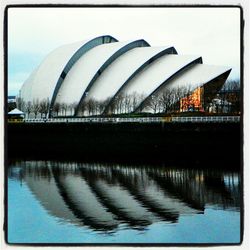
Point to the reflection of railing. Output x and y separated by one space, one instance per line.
192 119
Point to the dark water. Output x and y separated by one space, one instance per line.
60 202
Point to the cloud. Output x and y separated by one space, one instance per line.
15 82
14 87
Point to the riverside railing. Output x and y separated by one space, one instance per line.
192 119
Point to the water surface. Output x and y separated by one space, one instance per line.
72 202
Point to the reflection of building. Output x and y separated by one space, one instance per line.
102 197
105 71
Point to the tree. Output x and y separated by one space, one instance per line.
118 103
153 103
44 107
229 97
64 108
28 108
90 106
35 107
72 108
82 108
57 108
167 99
135 100
232 92
20 103
178 94
96 107
127 101
139 102
102 105
109 106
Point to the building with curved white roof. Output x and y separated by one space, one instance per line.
103 70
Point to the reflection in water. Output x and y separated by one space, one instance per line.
103 197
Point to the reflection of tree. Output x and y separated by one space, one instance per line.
197 188
180 185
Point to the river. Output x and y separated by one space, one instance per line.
98 202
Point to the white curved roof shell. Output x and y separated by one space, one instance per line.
42 82
112 79
157 73
195 76
108 68
84 70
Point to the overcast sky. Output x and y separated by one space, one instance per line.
213 33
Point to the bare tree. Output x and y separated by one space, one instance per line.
96 107
115 104
102 105
28 108
72 108
153 103
64 108
20 103
178 94
139 102
127 101
82 108
90 106
57 108
167 100
232 94
134 100
110 109
44 107
35 107
118 103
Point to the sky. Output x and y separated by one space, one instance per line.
213 33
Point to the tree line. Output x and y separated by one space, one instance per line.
164 101
230 96
120 104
